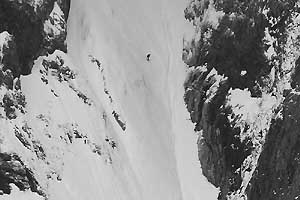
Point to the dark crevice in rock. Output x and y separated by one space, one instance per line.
22 138
26 24
295 83
13 170
65 5
194 97
278 171
119 121
20 20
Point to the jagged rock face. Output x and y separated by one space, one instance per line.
65 6
278 170
9 55
277 173
24 20
239 85
28 29
237 43
13 170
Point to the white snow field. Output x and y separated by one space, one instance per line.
135 141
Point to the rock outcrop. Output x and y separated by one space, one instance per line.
242 95
24 21
28 29
13 170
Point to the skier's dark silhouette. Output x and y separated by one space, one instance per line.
148 56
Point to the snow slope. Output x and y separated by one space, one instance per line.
112 124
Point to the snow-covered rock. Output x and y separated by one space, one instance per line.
246 146
97 120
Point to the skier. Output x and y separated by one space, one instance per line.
148 56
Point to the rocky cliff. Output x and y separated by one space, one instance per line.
242 95
28 29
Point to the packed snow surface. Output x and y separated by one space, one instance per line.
134 139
